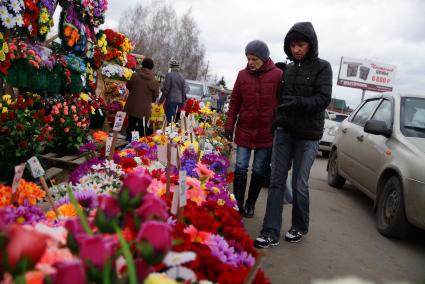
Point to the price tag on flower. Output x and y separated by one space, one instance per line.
19 171
182 189
175 202
119 120
108 146
36 168
135 136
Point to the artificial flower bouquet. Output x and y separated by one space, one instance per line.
117 72
4 58
24 129
70 124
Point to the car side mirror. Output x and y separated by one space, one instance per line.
378 127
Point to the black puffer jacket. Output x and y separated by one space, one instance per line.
310 82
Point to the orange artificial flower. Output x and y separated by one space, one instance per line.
5 195
65 211
100 136
29 191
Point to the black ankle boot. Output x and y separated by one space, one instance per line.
254 191
239 187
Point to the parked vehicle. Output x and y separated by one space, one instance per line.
198 90
329 132
380 149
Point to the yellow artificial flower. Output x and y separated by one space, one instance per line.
5 47
44 16
44 30
1 36
220 202
6 97
4 110
92 109
2 56
84 97
159 278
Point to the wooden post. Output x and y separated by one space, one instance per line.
49 196
168 170
114 141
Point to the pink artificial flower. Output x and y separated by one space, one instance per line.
158 234
51 256
78 124
137 182
203 171
98 249
197 236
195 192
69 272
66 130
152 207
157 187
74 109
62 120
65 111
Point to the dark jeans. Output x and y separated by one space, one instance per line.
261 158
171 110
136 124
286 147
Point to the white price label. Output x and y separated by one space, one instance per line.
175 202
119 120
182 189
108 146
135 136
19 171
100 111
144 121
36 168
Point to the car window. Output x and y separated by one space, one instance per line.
340 117
384 113
195 89
413 117
364 112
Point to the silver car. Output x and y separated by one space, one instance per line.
380 149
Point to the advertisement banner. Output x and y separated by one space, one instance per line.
365 74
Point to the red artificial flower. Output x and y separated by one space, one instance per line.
4 116
24 243
202 220
23 144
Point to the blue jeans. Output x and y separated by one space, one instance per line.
287 147
171 110
261 159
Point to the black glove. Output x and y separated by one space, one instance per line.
288 102
228 135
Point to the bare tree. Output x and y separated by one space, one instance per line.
158 32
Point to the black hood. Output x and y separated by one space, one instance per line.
305 28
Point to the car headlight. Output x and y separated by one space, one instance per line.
333 130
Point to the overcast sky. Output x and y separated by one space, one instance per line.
390 31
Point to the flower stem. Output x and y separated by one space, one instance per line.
80 213
128 256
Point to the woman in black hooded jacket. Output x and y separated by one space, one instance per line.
298 127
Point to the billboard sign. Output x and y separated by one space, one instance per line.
366 75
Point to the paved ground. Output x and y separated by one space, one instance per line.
342 241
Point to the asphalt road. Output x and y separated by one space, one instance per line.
342 240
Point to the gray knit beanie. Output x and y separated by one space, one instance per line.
259 49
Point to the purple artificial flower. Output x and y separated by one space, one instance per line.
49 4
88 147
83 169
223 250
188 162
86 198
25 214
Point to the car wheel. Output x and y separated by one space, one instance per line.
325 154
334 179
391 215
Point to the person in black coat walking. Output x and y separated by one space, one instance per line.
298 127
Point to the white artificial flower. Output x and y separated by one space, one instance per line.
8 21
3 12
19 20
177 258
16 6
181 272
